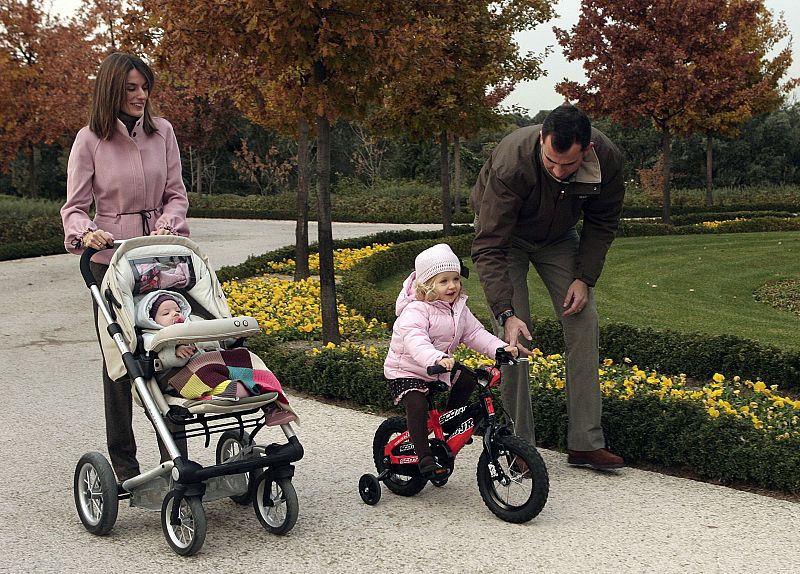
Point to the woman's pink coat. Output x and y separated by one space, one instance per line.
124 175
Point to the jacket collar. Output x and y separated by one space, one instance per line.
588 172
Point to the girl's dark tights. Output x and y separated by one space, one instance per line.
417 416
416 405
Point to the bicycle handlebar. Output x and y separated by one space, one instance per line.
502 357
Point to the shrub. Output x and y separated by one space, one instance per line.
670 432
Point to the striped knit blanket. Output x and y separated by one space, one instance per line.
227 375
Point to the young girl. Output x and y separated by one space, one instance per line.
432 320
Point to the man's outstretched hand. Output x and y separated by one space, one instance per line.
515 328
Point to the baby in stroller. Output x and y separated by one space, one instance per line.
210 377
224 390
161 309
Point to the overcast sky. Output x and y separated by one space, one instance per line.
541 94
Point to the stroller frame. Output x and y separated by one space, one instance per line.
182 516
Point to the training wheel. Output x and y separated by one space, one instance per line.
370 489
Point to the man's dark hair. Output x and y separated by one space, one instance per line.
568 125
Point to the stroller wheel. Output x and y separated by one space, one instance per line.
230 445
275 503
188 535
370 489
95 490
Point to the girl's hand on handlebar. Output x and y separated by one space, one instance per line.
447 362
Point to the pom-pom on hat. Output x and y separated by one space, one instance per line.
158 301
435 260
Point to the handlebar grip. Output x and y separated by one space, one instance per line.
86 272
436 370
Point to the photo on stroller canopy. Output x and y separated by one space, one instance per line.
223 389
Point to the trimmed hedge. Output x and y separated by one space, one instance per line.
698 355
255 264
357 286
31 236
673 433
655 211
34 248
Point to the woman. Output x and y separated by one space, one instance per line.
128 163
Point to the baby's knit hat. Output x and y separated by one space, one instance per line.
435 260
158 301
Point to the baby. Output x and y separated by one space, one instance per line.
161 309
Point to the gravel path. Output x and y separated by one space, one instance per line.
629 521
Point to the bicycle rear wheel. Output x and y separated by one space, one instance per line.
518 491
404 485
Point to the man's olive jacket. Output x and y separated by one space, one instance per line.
515 199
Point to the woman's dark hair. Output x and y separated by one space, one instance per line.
109 94
568 125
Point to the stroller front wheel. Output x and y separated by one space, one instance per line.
188 535
95 491
275 503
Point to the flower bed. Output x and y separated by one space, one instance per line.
726 429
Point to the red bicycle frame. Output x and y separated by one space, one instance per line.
470 415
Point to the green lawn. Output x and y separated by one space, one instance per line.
701 283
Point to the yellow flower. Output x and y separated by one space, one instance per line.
718 378
712 412
608 362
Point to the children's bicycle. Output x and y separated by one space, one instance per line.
512 477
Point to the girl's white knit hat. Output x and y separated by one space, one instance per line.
435 260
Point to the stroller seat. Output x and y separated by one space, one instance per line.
200 331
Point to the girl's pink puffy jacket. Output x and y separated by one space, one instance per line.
426 332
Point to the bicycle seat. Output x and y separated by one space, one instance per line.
437 387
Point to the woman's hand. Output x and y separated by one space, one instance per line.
513 350
162 231
98 239
447 363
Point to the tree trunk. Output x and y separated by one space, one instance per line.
666 150
444 158
330 315
709 169
301 270
33 172
198 180
457 175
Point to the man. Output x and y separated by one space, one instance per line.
528 197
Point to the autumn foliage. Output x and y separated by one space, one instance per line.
679 63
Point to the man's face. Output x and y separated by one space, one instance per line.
561 165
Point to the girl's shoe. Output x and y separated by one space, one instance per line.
429 467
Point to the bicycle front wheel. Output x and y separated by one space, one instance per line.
518 490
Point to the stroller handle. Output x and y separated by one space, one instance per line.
86 272
86 256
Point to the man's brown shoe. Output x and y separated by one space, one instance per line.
599 459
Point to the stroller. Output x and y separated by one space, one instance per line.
244 471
